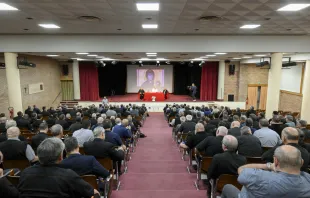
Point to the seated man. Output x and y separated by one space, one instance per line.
62 122
213 145
248 145
102 149
282 178
77 125
110 136
57 131
267 137
49 179
7 190
123 130
9 124
188 125
194 138
38 138
290 136
234 129
302 125
227 162
14 149
81 164
84 134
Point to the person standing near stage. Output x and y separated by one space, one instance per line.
193 89
105 101
165 92
141 93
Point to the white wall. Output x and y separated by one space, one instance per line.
142 43
291 78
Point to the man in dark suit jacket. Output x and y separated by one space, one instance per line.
7 190
195 137
2 125
188 125
235 129
38 138
216 120
123 130
77 125
248 144
19 116
102 149
82 164
227 162
24 122
302 125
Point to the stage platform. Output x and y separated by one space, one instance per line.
158 106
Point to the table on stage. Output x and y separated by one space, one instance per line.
159 96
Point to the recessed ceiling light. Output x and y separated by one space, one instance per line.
294 7
81 53
251 26
236 58
148 6
52 55
151 54
4 6
247 57
49 26
149 26
260 55
220 53
92 55
210 55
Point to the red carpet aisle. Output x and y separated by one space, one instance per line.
156 169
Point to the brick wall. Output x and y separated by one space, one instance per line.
231 84
290 102
250 74
47 71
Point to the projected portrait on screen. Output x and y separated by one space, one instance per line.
150 78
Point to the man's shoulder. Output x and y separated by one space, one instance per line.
50 170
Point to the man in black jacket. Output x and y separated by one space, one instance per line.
7 190
102 149
290 136
227 162
302 125
194 138
235 129
77 125
188 125
248 144
38 138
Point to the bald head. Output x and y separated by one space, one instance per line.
230 143
289 135
221 131
13 132
235 124
288 157
100 120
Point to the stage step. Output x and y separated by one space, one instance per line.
69 103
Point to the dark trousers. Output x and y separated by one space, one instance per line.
193 95
141 96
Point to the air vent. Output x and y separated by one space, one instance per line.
126 57
119 54
211 18
89 18
183 54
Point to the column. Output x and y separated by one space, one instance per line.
76 80
13 81
274 82
221 80
305 113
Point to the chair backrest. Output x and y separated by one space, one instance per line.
13 179
20 164
81 150
92 180
254 160
205 163
266 148
307 141
107 163
227 179
67 132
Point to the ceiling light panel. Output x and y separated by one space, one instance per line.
220 53
294 7
250 26
81 53
147 6
149 26
49 26
4 6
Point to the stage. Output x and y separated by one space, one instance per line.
158 106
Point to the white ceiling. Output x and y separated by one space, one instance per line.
174 17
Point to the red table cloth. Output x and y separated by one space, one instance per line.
159 96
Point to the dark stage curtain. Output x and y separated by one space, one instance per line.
112 78
88 81
209 76
184 76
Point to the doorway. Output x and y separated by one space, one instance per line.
257 96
